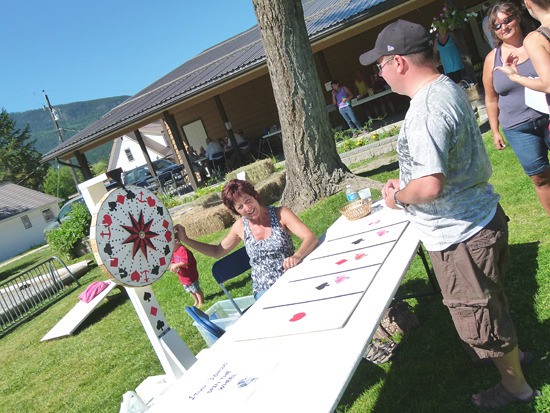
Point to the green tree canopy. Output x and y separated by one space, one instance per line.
19 161
59 182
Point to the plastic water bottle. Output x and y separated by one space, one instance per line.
351 194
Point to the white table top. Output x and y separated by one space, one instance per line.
357 102
299 372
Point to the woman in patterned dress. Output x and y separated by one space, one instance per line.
265 231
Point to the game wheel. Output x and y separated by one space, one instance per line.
132 236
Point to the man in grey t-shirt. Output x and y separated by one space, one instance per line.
444 189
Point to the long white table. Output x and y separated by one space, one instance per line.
299 372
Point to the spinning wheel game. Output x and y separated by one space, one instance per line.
132 236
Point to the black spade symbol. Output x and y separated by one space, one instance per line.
160 211
147 297
357 241
130 195
166 249
321 286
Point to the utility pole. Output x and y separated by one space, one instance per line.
58 130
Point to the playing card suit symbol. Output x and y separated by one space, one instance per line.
151 202
114 262
165 224
155 270
340 278
374 222
112 206
160 325
108 249
122 273
107 220
159 210
321 286
162 261
357 241
168 236
341 261
120 199
147 296
135 277
166 249
297 317
359 255
381 232
130 195
154 311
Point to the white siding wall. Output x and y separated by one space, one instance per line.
15 239
139 159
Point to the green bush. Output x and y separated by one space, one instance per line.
63 239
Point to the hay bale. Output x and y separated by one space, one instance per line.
201 221
255 172
271 190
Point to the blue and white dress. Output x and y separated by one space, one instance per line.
267 255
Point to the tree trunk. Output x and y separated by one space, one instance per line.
314 169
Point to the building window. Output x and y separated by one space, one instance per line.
48 215
26 221
129 154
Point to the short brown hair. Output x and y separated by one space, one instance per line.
236 188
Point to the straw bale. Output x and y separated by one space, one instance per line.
201 221
255 172
271 190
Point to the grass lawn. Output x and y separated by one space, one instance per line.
110 353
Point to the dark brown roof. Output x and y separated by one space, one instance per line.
15 199
216 65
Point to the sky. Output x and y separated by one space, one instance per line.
78 50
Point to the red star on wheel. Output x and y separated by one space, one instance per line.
140 234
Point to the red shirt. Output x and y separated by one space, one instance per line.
188 274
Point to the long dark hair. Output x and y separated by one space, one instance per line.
526 23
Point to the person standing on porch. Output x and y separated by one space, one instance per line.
341 98
446 46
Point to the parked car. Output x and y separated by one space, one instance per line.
168 174
64 213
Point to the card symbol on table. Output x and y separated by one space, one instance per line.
340 279
357 241
112 206
321 286
160 325
341 261
382 232
374 222
154 311
297 317
147 296
360 255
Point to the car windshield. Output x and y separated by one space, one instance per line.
142 173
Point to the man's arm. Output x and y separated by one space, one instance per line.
418 191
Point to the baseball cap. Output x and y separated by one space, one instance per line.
401 37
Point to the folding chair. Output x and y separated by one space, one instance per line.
202 319
228 267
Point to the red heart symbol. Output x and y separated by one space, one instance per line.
107 221
297 316
360 255
151 202
381 232
135 276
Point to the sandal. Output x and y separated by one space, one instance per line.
498 397
380 351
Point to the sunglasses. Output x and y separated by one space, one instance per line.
507 20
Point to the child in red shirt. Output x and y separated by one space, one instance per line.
185 265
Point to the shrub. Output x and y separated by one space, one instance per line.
63 239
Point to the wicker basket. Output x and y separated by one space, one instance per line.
356 209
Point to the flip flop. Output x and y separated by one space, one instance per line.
498 397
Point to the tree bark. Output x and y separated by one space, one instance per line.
314 169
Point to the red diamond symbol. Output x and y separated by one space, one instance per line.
154 311
162 261
114 262
120 199
165 224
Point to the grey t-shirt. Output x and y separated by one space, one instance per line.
440 135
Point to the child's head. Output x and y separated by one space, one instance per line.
177 242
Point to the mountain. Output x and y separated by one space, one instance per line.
73 117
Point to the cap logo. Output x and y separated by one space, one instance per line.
390 48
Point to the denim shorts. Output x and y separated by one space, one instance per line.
531 142
192 288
